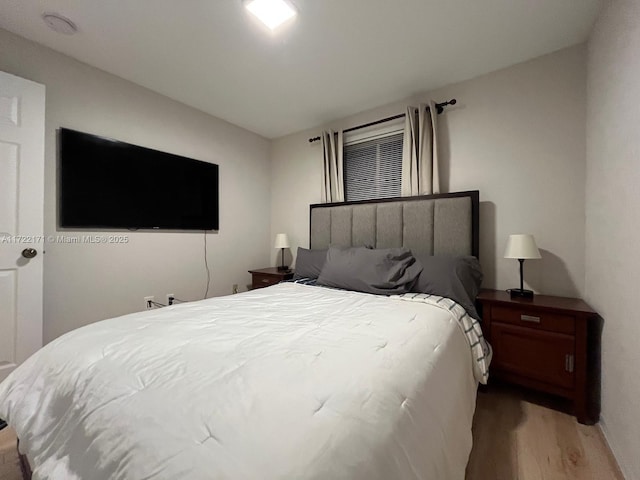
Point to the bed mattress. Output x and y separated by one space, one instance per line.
286 382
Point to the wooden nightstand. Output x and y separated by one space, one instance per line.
265 277
549 344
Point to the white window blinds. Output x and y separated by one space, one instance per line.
372 168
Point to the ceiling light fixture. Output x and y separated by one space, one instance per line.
60 24
272 13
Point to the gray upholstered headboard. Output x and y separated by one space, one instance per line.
429 224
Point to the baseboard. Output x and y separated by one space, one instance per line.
607 439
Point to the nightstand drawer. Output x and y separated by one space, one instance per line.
260 281
265 277
543 356
552 322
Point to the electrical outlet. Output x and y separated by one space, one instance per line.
170 298
235 288
148 305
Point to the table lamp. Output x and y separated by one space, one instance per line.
282 242
523 247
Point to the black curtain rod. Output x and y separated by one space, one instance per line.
439 108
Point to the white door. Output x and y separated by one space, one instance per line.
21 223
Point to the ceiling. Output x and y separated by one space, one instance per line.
337 58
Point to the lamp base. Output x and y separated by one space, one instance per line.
520 293
283 268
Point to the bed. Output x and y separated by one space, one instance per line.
291 381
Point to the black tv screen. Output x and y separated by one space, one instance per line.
106 183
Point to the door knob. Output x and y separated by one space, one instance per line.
29 252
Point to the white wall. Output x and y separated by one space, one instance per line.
85 283
613 219
517 135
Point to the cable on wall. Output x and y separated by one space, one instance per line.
206 265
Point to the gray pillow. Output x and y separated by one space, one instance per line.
457 278
309 263
381 271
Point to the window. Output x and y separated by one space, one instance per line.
373 166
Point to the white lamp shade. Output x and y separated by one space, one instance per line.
522 246
282 241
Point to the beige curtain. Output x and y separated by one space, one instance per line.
420 174
332 171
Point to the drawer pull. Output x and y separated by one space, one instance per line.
530 318
571 363
265 280
568 362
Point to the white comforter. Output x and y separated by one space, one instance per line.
287 382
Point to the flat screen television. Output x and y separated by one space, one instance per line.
105 183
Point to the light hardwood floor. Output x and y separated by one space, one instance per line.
516 439
9 463
513 439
